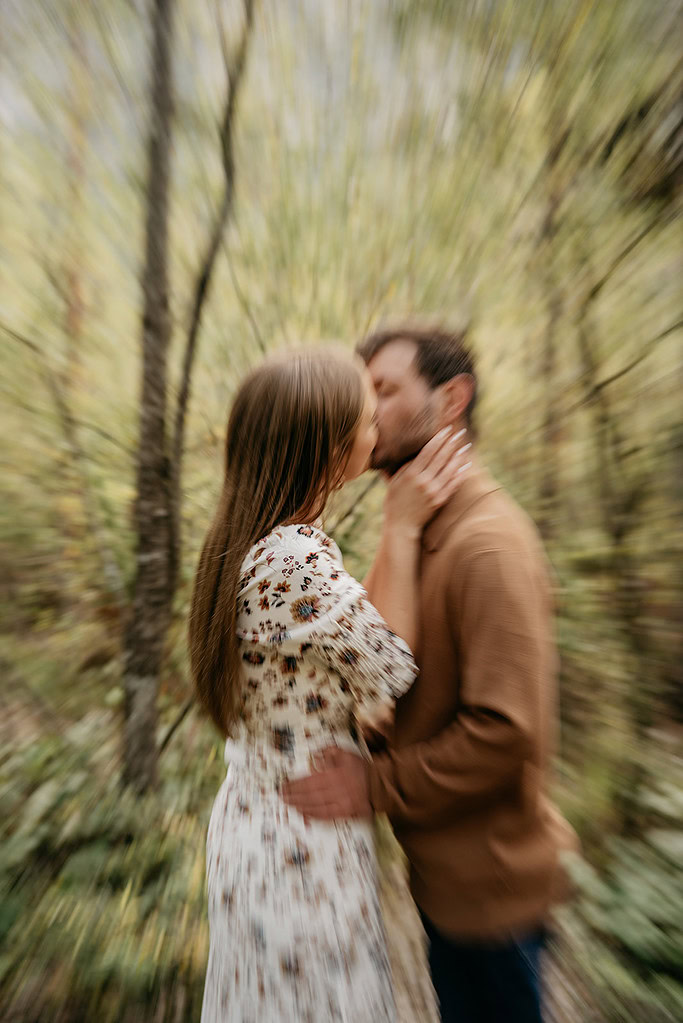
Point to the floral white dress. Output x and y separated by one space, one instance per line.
296 930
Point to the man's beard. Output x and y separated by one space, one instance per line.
418 432
391 465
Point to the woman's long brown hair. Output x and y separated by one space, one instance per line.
290 431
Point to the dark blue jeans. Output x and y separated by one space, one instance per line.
486 982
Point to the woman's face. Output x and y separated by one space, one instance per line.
366 433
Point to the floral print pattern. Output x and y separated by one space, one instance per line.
296 930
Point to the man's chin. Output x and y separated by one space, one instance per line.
389 466
382 464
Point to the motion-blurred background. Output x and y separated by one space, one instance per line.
187 184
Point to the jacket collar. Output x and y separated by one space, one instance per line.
477 484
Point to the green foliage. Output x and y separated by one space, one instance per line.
626 928
101 893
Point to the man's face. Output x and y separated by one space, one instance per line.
407 409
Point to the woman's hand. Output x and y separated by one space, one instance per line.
417 491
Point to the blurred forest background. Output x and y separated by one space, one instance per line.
187 184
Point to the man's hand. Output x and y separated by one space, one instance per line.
338 789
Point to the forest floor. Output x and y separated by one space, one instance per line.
24 722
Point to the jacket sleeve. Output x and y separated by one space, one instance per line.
503 634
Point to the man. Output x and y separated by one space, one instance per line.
462 771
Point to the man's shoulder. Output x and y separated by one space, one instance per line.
494 522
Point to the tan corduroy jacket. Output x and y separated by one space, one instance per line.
465 774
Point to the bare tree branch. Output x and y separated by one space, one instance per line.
618 260
244 302
94 428
110 569
82 424
647 351
640 358
176 723
234 74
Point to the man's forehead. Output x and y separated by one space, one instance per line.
394 360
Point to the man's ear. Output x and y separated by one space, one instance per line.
456 396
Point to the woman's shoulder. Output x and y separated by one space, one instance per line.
302 541
288 577
298 536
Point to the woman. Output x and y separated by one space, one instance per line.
285 647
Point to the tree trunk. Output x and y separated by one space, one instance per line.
146 633
619 501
